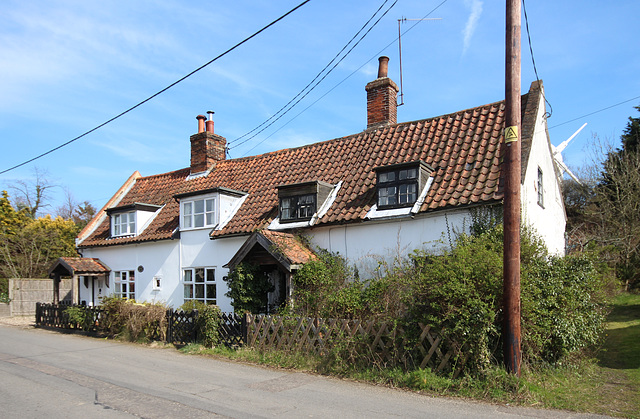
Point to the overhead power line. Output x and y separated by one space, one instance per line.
595 112
348 76
533 60
304 92
160 91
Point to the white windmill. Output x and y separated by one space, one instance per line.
557 155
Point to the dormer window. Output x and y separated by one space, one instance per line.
124 224
130 220
299 202
207 208
199 213
399 185
301 207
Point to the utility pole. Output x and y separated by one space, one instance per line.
512 175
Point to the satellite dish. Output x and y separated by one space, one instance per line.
557 155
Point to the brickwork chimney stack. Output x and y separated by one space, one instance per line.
206 147
382 93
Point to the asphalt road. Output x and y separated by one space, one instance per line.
54 375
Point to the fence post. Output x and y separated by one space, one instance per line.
170 325
245 328
194 329
38 314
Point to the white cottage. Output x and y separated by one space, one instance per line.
382 192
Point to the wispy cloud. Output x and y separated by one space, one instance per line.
476 10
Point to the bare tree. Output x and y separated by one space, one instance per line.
33 194
604 211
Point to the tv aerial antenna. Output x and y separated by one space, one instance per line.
400 21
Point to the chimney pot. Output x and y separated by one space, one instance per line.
210 122
383 66
201 119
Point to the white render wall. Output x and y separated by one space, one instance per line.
157 259
550 220
197 251
369 243
167 259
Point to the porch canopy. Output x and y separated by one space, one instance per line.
75 268
266 247
279 255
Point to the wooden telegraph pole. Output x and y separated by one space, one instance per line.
511 257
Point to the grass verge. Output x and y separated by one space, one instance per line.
608 384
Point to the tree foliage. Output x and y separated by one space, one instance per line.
29 246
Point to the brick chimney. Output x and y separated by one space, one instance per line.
382 93
206 147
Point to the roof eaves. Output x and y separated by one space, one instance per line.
100 217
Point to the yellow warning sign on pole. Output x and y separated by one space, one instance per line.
511 134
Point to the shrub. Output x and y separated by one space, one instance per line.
562 299
134 321
4 298
563 307
4 286
79 317
328 288
459 293
207 323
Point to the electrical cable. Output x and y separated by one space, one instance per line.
535 69
159 92
315 78
595 112
319 81
346 78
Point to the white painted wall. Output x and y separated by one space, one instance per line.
550 220
197 250
366 244
167 259
157 259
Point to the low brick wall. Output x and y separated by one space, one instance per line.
25 293
5 310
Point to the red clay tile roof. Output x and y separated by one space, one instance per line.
290 247
462 147
79 266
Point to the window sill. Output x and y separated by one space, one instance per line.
123 236
375 212
211 227
276 224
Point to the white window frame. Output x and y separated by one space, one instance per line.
125 288
200 212
540 188
120 226
199 284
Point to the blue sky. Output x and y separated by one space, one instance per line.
70 65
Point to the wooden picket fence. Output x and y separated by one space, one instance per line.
379 343
180 329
